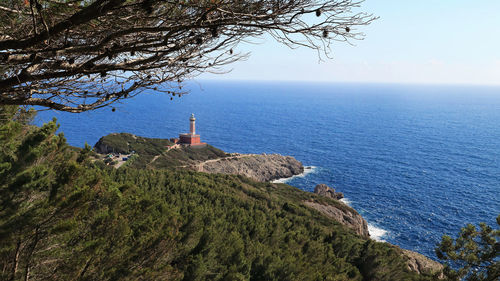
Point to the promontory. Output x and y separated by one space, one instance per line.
127 149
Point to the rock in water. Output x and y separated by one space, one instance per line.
326 191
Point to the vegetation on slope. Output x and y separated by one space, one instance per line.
185 156
153 153
125 143
63 217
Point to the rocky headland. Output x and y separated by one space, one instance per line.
163 154
259 167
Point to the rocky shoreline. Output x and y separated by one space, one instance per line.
259 167
349 217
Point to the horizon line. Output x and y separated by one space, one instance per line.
422 83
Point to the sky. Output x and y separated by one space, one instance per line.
422 42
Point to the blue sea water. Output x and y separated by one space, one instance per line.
416 161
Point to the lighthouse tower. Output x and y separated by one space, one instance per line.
192 128
191 139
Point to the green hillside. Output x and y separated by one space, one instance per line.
126 143
153 153
64 217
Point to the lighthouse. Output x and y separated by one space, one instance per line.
192 128
191 139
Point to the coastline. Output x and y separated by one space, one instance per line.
307 170
376 233
415 261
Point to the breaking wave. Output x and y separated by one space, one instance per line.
376 233
345 201
307 170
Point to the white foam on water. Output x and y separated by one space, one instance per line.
307 170
345 201
377 233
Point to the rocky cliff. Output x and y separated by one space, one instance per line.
339 211
347 216
344 215
260 167
421 264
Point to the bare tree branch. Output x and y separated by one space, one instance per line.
81 55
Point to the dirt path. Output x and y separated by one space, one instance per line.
199 166
154 159
119 164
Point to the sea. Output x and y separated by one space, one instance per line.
416 161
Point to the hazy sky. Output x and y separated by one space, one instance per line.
420 41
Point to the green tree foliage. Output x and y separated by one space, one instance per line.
474 255
60 220
65 217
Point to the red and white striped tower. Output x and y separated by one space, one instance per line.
192 130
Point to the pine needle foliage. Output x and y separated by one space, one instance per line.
474 255
65 217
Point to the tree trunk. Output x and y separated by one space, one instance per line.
16 260
87 264
28 259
